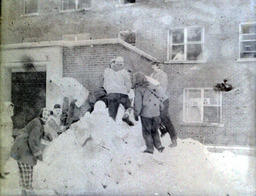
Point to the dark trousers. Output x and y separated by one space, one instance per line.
114 100
166 121
150 132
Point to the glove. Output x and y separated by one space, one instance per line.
39 157
49 137
136 117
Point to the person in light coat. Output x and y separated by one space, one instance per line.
117 83
6 140
27 150
148 106
166 125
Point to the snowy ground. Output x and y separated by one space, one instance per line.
112 163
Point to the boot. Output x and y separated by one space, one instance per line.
2 176
127 120
161 149
148 151
174 143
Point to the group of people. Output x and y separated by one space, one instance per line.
145 95
151 101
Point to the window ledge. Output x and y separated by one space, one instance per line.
75 10
28 15
203 124
184 62
246 60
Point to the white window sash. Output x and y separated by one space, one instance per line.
69 9
30 13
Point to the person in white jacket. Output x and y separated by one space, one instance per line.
117 83
166 125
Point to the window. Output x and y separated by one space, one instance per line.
202 105
185 44
247 40
127 1
31 6
128 36
69 5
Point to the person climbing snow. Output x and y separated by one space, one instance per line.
117 83
147 106
166 125
26 150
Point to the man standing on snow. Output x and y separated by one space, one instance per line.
117 83
162 78
147 106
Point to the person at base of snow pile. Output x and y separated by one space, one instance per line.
6 140
26 150
166 125
117 83
147 106
52 125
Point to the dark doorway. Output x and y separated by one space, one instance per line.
28 96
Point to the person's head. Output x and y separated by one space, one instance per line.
57 110
156 66
139 79
118 63
44 114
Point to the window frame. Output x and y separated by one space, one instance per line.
30 14
240 40
201 122
76 7
186 42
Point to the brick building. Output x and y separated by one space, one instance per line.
200 42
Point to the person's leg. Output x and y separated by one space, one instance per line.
26 177
166 121
125 101
146 132
155 134
113 104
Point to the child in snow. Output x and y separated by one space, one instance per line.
26 150
147 106
162 78
117 83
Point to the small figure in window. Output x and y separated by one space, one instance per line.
179 56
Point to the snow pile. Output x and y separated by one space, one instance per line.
98 155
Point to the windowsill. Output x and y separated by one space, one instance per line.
28 15
75 10
246 60
203 124
184 62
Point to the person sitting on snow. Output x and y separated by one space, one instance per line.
147 106
117 83
27 149
166 125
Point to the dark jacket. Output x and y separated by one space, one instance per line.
27 145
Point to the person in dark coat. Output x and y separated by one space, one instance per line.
148 107
26 149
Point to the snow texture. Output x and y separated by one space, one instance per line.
103 157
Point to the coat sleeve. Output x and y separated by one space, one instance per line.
164 81
34 139
137 102
127 81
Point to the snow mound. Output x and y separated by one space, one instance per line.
99 155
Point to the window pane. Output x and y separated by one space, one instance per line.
211 114
84 4
30 6
248 55
249 46
177 53
177 36
193 105
249 37
194 52
249 28
194 34
211 97
68 4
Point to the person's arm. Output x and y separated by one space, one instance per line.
127 81
34 140
137 103
164 81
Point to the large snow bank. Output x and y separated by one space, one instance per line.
98 155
